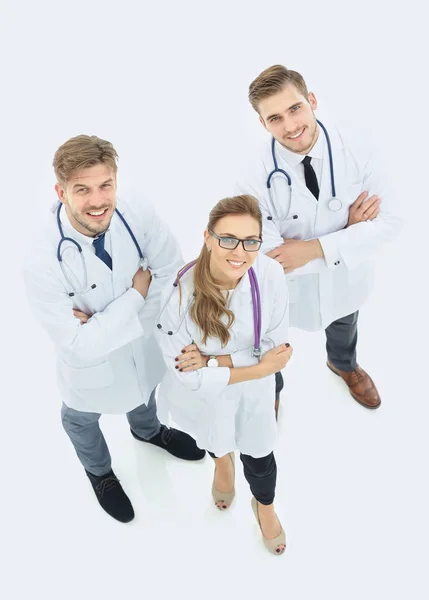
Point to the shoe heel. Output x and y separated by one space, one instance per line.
270 545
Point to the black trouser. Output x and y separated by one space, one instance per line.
279 384
261 475
341 342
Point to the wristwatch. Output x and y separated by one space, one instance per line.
212 361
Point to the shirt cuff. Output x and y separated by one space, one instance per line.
331 251
136 300
214 379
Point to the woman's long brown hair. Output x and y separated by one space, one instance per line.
209 304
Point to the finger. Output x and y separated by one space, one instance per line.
80 315
359 199
186 362
184 358
275 253
188 368
369 211
371 214
371 201
189 348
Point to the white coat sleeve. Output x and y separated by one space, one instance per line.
103 333
271 237
360 242
206 381
278 329
162 251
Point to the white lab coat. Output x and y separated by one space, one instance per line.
332 287
219 416
112 363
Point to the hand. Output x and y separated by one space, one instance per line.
83 317
191 359
296 253
276 359
141 281
363 209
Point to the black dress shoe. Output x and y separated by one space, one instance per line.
176 442
111 496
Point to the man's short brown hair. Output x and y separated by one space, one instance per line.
272 81
82 152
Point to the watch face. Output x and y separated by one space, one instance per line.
212 362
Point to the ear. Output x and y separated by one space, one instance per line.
60 193
207 239
312 100
261 120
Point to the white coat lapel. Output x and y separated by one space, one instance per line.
125 256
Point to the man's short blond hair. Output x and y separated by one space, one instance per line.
272 81
82 152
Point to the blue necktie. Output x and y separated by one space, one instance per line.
101 252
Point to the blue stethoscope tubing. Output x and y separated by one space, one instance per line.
334 203
256 302
79 247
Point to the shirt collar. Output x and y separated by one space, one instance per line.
294 159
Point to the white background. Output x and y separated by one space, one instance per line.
167 84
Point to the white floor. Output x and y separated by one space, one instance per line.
352 493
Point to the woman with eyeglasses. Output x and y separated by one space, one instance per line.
219 385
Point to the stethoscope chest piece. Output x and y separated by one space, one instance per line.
335 204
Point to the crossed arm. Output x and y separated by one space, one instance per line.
297 253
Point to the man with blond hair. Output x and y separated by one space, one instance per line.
94 279
326 212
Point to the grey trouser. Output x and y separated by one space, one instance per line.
85 434
341 341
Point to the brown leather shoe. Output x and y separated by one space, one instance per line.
360 385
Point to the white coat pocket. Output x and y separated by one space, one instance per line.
86 378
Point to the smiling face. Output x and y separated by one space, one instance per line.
228 266
289 117
89 197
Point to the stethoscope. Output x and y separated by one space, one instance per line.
334 204
85 288
256 302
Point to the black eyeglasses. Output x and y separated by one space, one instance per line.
231 243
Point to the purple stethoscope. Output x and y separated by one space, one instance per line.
256 302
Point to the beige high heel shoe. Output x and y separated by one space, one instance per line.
225 497
270 545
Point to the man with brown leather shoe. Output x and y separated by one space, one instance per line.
326 213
